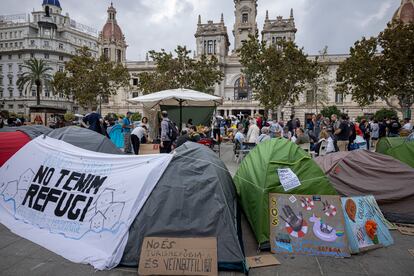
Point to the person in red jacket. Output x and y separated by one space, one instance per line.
259 120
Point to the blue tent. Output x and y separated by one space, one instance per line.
116 135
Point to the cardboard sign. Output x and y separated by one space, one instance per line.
149 149
307 225
262 260
178 256
288 179
358 211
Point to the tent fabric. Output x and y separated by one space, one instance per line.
201 115
386 143
173 96
86 139
32 131
362 172
195 197
257 176
10 143
116 136
403 152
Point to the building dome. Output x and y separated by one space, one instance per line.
52 2
405 12
112 30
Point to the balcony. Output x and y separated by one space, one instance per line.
240 103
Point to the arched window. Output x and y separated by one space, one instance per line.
106 53
242 90
47 11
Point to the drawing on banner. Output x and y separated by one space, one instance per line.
288 179
73 198
312 225
365 225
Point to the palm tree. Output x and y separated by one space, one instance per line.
36 74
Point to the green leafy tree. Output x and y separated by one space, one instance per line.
5 114
278 74
381 67
69 117
36 74
136 117
88 80
329 110
385 113
180 71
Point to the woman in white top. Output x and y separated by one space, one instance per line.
253 132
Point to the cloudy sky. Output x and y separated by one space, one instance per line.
156 24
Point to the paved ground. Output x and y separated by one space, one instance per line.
21 257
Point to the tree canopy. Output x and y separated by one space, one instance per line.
381 67
278 74
87 79
180 71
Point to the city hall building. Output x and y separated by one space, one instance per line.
212 38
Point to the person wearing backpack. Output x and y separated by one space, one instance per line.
169 133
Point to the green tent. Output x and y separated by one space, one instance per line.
386 143
403 152
258 176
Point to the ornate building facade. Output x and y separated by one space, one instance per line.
212 39
44 34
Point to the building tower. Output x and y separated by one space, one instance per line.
111 40
212 39
405 12
245 24
273 30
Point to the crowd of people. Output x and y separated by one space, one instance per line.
338 133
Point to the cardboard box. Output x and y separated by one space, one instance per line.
149 149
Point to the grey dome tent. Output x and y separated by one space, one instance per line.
195 197
85 139
31 131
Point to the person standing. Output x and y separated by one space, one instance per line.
126 129
394 127
291 123
253 132
167 133
259 120
245 123
375 132
92 121
366 131
342 133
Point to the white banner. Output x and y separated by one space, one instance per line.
76 203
